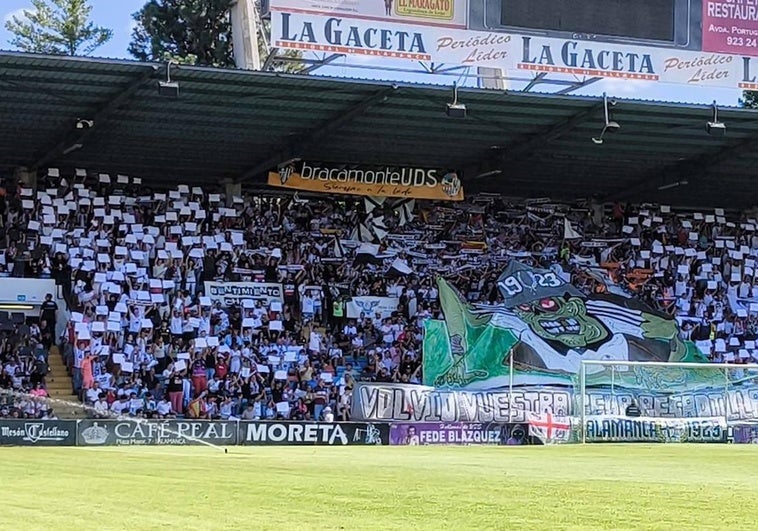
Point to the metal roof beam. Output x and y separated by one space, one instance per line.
269 62
510 153
290 148
578 85
692 169
78 136
553 133
534 82
517 149
323 62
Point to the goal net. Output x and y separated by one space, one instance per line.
663 402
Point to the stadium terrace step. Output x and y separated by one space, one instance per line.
60 392
59 386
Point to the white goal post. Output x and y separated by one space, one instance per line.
709 387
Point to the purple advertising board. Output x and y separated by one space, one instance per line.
426 433
745 434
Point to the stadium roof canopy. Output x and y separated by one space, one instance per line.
237 125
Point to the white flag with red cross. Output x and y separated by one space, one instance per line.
549 428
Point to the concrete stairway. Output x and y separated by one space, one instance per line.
60 387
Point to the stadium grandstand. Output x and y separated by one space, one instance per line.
185 285
240 288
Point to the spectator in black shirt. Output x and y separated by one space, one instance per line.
48 310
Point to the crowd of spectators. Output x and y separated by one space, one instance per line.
152 332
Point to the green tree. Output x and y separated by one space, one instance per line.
189 32
57 27
749 99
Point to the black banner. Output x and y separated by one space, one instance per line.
156 432
37 432
313 433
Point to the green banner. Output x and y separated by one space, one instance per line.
548 328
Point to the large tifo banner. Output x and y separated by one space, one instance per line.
723 54
230 293
615 428
410 183
413 403
543 330
625 429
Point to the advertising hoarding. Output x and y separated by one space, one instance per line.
707 43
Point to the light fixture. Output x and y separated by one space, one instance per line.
609 126
673 185
16 307
168 88
714 127
455 109
84 124
488 174
72 148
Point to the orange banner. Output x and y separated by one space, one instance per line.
411 183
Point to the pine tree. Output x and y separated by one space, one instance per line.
184 30
189 32
57 27
749 99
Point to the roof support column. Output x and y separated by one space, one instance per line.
23 176
231 189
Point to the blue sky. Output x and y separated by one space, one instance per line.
116 14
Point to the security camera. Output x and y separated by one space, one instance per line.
612 127
715 128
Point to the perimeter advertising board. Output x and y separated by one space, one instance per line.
154 432
448 433
312 433
37 432
692 42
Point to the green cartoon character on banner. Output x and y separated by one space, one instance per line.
548 326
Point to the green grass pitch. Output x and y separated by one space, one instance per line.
665 487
